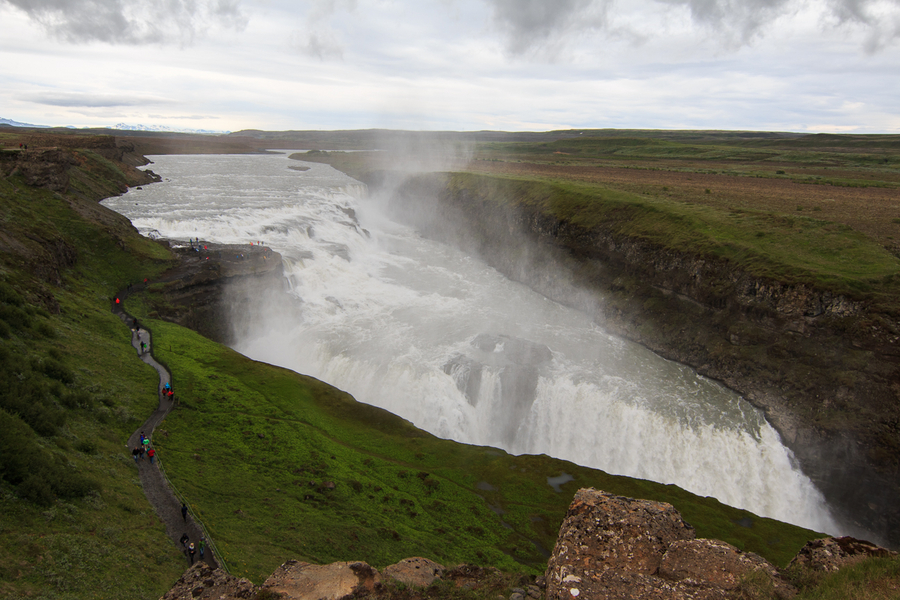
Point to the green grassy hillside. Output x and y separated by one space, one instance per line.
784 247
277 465
74 522
255 448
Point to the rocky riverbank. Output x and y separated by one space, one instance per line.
825 368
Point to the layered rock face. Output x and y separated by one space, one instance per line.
216 289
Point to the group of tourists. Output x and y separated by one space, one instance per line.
188 546
142 449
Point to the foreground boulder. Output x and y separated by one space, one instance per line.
832 554
621 548
609 547
304 581
202 582
419 572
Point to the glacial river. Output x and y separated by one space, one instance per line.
434 335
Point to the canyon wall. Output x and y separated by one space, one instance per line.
824 367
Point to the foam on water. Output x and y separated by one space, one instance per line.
396 320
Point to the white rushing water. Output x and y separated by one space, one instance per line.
439 338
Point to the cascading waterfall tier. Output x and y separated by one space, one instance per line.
439 338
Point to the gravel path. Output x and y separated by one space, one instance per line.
157 490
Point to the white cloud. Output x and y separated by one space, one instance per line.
461 64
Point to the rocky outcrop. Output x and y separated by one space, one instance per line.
608 547
47 168
48 160
419 572
615 547
296 580
217 288
824 367
202 582
833 554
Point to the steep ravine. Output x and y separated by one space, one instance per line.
825 368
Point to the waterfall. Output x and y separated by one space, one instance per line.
438 337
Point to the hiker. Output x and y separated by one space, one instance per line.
136 454
151 453
191 551
184 540
202 546
142 346
184 511
141 451
146 443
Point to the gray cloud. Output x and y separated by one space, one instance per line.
532 26
185 117
880 20
126 22
81 100
737 22
321 43
317 39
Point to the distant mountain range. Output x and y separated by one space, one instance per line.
126 127
12 123
122 126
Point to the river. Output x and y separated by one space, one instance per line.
436 336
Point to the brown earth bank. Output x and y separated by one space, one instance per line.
608 547
823 367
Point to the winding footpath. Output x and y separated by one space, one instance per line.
156 488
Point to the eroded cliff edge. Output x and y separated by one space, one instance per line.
824 367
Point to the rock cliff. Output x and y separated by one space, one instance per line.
825 368
216 288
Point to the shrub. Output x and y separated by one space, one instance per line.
58 371
36 490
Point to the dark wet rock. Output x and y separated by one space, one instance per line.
219 290
518 362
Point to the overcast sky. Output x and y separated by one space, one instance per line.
785 65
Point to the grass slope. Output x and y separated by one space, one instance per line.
784 247
74 522
254 448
